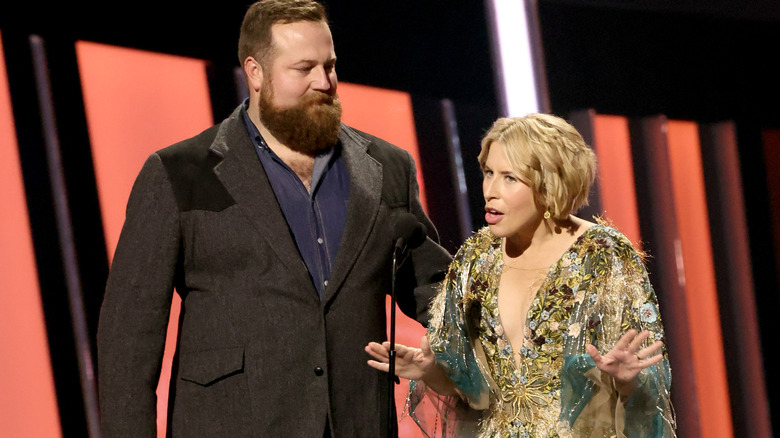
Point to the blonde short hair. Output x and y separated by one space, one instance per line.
550 156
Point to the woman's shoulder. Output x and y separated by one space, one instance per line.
605 236
480 240
482 245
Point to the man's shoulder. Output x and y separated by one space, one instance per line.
196 148
189 165
191 149
363 136
188 158
378 148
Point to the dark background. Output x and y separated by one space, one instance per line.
705 61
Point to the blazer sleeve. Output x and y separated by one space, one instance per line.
136 306
429 261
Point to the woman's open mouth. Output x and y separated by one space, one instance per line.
492 216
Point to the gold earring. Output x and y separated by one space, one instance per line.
547 214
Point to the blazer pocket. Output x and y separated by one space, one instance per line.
209 366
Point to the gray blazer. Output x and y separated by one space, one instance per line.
259 355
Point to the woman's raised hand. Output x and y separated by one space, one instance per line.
410 363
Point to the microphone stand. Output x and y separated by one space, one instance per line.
412 234
391 377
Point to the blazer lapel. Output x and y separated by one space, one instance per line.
365 193
244 177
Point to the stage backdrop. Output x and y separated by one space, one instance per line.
28 402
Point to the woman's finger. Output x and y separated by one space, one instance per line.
376 348
377 351
377 357
425 346
379 347
624 343
593 352
636 344
652 350
379 365
403 350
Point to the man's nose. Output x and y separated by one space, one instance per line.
322 80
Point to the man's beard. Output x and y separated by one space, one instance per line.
310 126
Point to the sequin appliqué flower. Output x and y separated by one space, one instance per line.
647 313
574 330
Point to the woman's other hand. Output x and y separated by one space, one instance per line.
627 359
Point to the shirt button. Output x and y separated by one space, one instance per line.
318 371
319 240
325 283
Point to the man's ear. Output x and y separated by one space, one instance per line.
254 73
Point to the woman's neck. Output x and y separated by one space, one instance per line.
544 243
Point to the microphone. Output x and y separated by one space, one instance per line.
410 234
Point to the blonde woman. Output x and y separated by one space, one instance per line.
547 324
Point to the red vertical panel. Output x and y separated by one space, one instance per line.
28 402
701 293
388 115
734 276
616 171
655 192
136 103
771 140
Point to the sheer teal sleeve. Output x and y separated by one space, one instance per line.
451 336
648 411
616 296
576 387
454 339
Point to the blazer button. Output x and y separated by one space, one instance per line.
318 371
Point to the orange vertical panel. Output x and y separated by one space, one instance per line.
388 114
701 293
28 401
616 171
136 103
384 113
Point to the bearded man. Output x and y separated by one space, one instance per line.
275 227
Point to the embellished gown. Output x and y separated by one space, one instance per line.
594 293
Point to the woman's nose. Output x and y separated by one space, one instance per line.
488 189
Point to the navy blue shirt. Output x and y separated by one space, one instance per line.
316 217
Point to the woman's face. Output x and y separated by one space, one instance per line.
510 209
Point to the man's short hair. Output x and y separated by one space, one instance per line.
550 156
255 37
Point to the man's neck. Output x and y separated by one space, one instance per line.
302 164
